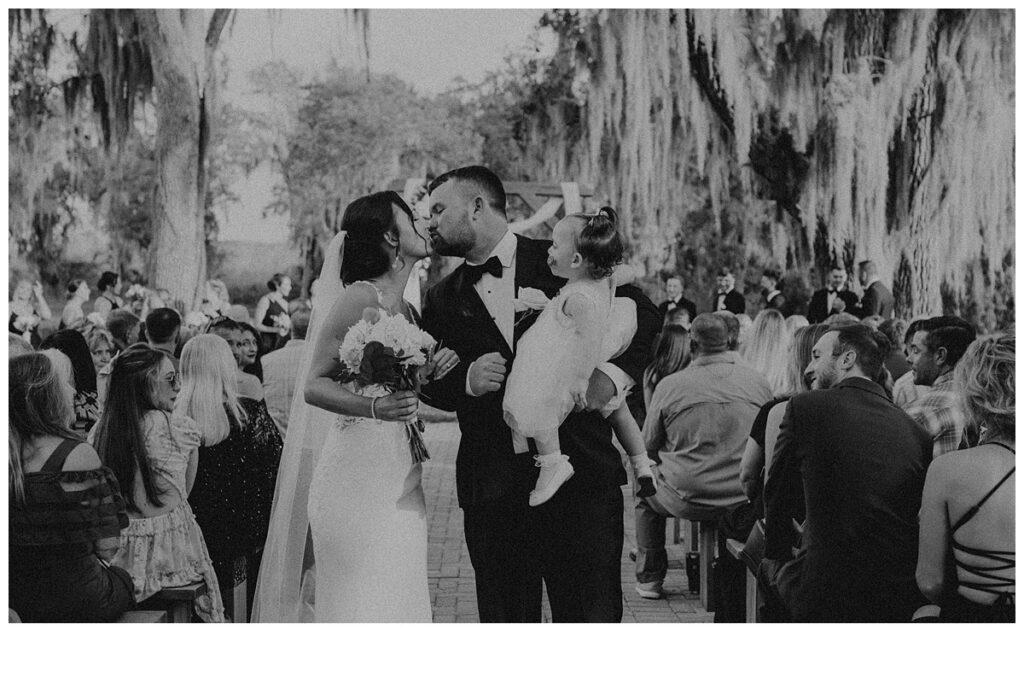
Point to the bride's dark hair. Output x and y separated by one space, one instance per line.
366 221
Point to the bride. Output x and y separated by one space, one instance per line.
348 531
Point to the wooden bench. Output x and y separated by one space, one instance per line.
752 604
176 602
144 616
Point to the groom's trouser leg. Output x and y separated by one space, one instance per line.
499 536
580 538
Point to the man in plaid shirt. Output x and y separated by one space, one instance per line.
937 346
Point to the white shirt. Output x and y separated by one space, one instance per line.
280 375
498 295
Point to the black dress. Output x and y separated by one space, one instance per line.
55 575
273 341
233 492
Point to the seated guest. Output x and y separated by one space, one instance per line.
239 453
154 459
28 309
66 512
231 331
835 298
679 316
73 345
766 347
732 325
726 297
938 345
904 390
854 464
251 351
841 320
796 321
101 346
279 371
671 355
163 328
895 329
125 328
974 490
765 430
16 345
676 300
696 430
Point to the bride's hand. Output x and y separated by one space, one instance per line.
400 407
444 361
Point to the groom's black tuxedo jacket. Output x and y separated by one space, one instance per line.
487 466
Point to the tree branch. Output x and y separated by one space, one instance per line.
217 23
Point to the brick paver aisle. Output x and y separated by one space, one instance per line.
452 585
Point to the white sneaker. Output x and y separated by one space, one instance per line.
555 470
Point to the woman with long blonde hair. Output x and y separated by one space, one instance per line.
766 346
238 458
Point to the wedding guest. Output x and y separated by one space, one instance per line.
239 314
796 321
238 458
154 457
671 355
251 352
16 345
109 286
679 316
216 300
247 384
765 430
732 324
66 512
101 347
696 428
72 315
877 299
835 298
726 296
766 347
280 368
974 490
271 317
904 390
745 324
675 299
125 328
851 465
842 320
28 309
896 361
937 346
72 344
771 291
163 328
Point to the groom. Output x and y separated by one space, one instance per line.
574 541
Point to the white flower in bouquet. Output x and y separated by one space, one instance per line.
408 342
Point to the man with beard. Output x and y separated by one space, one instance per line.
574 541
851 466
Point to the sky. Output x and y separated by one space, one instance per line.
427 48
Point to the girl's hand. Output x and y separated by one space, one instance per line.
443 362
398 407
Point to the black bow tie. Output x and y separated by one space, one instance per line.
473 273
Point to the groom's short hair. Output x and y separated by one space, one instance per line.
481 177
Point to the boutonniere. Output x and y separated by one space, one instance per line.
530 299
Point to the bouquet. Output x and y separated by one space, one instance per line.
385 350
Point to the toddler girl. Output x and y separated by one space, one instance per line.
580 328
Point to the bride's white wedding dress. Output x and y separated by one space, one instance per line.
369 523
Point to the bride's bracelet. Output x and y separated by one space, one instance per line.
373 407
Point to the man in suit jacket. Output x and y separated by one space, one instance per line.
854 465
877 299
834 299
574 541
675 300
727 298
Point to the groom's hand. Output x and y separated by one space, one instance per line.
487 374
